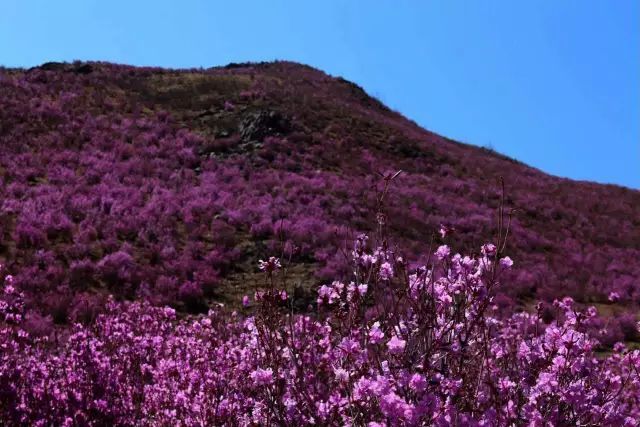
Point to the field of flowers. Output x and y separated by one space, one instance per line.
133 201
393 347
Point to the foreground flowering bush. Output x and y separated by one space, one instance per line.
392 347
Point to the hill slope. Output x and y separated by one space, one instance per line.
171 184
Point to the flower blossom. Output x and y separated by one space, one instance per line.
375 333
506 262
386 271
443 252
488 249
270 265
396 345
262 377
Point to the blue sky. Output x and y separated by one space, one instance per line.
555 84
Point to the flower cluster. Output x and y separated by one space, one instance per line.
414 348
269 266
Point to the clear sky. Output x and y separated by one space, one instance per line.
554 83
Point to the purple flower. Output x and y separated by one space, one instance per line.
506 262
341 374
488 249
396 345
170 313
375 334
386 271
417 383
270 265
262 377
443 252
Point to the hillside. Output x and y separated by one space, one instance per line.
171 184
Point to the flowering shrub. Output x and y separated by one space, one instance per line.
391 347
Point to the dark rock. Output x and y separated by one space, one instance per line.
257 125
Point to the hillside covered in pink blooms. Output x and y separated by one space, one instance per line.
264 244
170 184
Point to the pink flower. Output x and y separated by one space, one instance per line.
443 252
245 301
375 334
396 345
353 290
505 384
488 249
368 259
270 265
506 262
262 377
362 289
386 271
169 312
619 347
417 383
614 296
342 374
330 293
